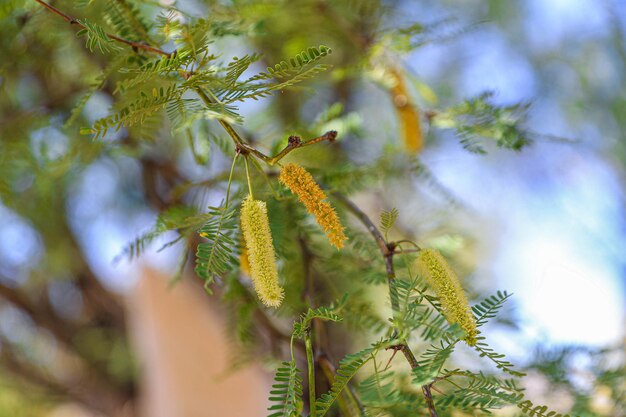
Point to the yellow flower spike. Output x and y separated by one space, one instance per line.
302 184
444 282
260 249
408 114
244 263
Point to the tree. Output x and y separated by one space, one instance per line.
310 249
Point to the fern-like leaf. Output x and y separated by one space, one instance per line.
348 367
218 254
96 37
299 68
159 67
286 393
182 112
532 410
482 392
478 118
497 358
322 313
388 219
381 396
178 217
296 65
126 20
488 308
431 362
136 112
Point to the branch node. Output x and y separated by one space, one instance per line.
294 141
331 135
240 149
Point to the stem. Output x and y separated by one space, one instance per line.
248 177
399 242
295 142
239 143
230 180
135 45
429 400
387 249
311 368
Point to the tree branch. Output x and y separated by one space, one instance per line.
295 142
73 21
84 389
388 250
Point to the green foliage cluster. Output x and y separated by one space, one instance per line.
183 99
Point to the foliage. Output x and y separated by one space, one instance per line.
217 255
174 86
478 118
287 391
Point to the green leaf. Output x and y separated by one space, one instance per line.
530 409
322 313
348 367
388 219
96 37
184 218
489 307
138 111
300 68
431 362
286 393
497 358
217 254
478 118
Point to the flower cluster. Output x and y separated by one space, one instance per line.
444 282
302 184
260 250
244 264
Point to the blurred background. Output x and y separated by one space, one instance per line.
84 335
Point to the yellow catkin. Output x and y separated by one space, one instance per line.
260 249
444 282
408 114
244 264
302 184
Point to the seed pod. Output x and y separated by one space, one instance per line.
261 256
302 184
444 282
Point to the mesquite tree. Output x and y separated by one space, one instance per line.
266 216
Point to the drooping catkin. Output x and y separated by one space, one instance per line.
408 114
260 249
444 282
302 184
244 264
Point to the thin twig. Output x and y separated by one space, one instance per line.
429 400
105 401
311 372
73 21
387 249
371 227
295 142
